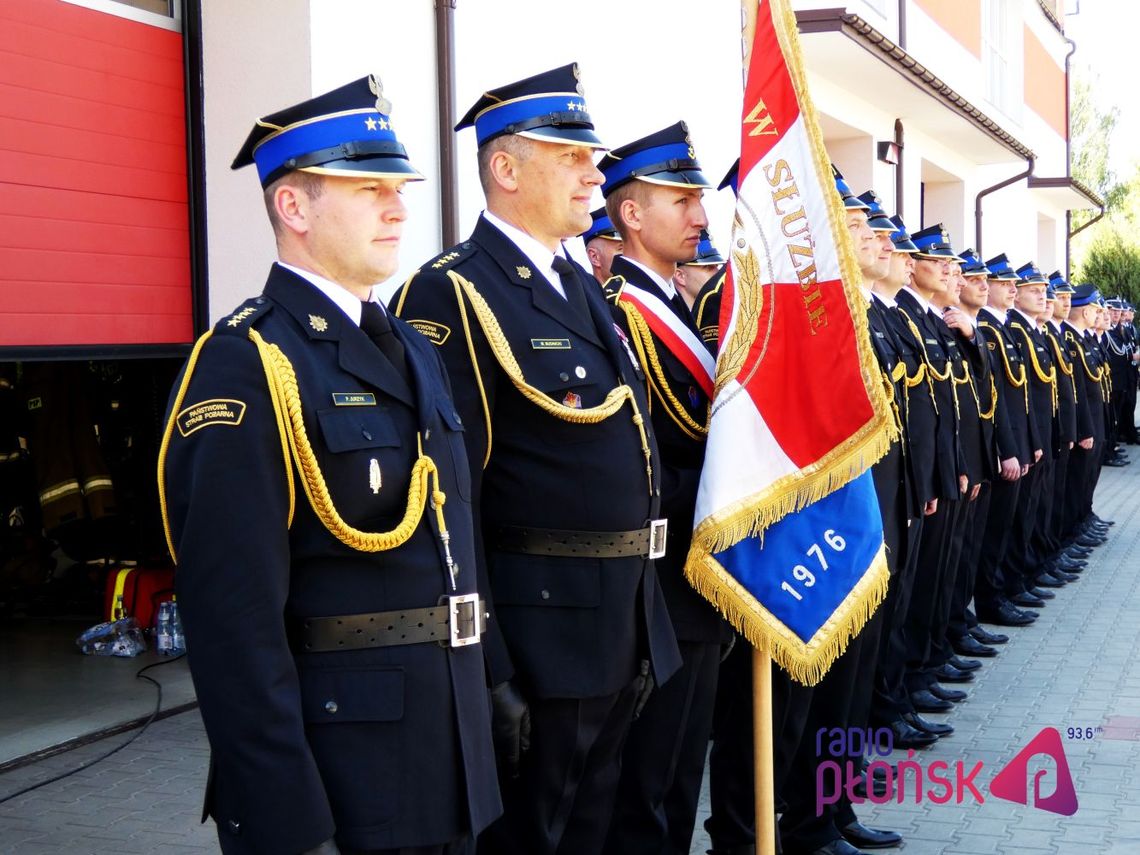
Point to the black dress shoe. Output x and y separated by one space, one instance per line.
1102 521
1115 462
1026 599
1090 540
949 674
837 847
944 693
1041 594
919 723
925 701
1045 580
967 645
986 637
904 736
1070 565
964 664
1006 614
1078 553
869 838
1058 573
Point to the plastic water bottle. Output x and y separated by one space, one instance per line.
177 637
164 631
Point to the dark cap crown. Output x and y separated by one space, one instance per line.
549 106
665 157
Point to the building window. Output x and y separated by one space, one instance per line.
1001 52
158 13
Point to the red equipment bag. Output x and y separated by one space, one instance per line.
137 591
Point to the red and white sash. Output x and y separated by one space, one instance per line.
681 341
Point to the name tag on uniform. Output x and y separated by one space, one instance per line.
931 341
353 399
550 344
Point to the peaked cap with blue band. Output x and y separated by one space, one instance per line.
933 242
972 265
850 200
876 217
1085 295
1028 274
550 107
1050 294
1115 303
731 178
665 157
1001 269
707 253
901 239
1060 286
602 227
347 131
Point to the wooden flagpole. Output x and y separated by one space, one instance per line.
762 742
762 752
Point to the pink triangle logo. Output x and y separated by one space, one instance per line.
1012 782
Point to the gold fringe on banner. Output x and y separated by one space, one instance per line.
805 662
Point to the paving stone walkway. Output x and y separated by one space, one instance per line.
1076 667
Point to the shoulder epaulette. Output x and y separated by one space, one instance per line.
612 288
244 316
450 257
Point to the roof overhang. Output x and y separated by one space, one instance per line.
841 47
1064 193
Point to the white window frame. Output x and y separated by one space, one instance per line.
1002 55
171 22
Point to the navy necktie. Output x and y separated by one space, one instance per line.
375 324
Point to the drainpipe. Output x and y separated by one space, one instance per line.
899 166
1069 165
1030 163
1080 229
445 109
902 28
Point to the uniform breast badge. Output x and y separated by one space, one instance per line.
572 399
374 480
318 323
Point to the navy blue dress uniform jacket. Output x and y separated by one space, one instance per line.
1066 386
1086 365
706 308
1011 419
572 627
948 459
682 455
1043 415
386 747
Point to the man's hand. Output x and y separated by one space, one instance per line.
645 686
1037 453
931 507
1010 469
974 492
956 319
1086 443
1024 470
510 727
963 484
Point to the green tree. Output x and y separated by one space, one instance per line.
1091 129
1112 263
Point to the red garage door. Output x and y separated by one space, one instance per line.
94 235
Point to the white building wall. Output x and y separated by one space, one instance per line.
245 75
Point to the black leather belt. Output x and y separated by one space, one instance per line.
648 542
455 622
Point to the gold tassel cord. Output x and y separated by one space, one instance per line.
1049 377
676 410
283 382
474 367
501 348
176 408
1017 381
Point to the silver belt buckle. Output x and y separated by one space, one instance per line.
465 621
658 529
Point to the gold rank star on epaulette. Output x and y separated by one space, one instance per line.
244 316
443 260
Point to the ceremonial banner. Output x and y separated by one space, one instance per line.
788 540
